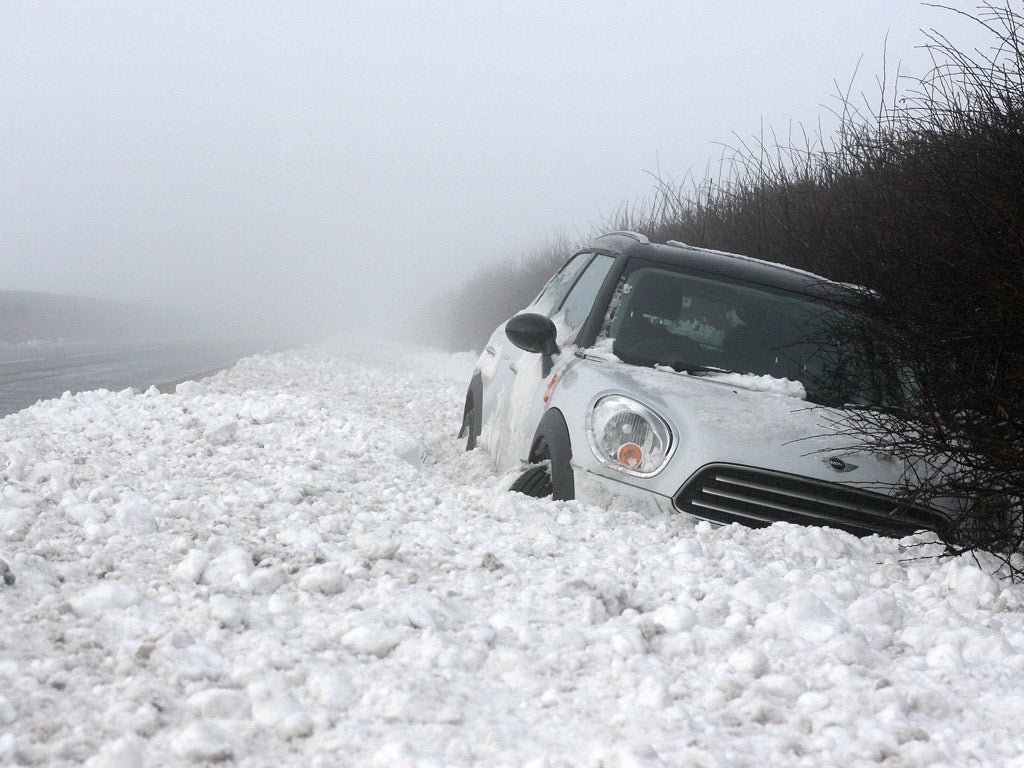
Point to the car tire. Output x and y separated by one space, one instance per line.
535 482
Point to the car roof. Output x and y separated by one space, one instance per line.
731 265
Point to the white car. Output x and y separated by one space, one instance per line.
690 381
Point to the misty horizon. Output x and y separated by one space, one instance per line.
312 168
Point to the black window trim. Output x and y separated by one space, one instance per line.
588 332
586 252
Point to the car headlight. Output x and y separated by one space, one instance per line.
629 436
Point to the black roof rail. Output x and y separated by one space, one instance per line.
642 239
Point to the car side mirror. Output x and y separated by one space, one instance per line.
534 333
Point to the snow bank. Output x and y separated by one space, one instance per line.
294 563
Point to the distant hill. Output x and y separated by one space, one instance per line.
31 316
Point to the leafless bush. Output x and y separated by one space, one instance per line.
935 185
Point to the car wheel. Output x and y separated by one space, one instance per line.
536 482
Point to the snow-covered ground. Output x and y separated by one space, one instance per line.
261 569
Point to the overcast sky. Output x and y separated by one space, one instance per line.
312 162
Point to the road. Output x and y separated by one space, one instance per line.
33 372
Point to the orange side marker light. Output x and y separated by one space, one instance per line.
551 386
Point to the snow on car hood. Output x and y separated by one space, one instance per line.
755 383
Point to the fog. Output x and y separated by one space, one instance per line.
305 167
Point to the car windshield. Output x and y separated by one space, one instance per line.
700 324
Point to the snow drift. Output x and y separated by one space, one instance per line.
294 563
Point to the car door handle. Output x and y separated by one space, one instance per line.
512 367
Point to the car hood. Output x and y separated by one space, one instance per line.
722 421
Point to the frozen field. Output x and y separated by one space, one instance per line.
294 563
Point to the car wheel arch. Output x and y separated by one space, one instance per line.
551 443
472 413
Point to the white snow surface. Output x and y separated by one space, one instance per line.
756 383
295 563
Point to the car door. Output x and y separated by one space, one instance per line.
500 360
529 386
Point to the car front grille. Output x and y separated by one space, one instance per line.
726 493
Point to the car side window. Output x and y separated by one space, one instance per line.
554 292
577 305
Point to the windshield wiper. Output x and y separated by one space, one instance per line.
893 410
697 370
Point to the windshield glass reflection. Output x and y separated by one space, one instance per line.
697 324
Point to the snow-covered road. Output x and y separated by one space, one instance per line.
260 569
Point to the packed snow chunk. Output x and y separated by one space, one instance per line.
134 514
801 615
989 649
674 618
48 471
515 624
220 704
330 689
749 661
126 752
256 412
394 753
628 642
653 693
628 756
326 578
303 536
15 523
880 608
409 449
289 494
376 548
15 497
190 388
84 512
8 714
191 567
945 656
266 579
966 577
203 741
812 702
371 641
105 597
231 568
221 431
231 613
273 707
